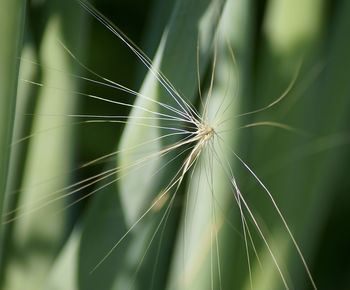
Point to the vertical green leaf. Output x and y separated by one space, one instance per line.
176 58
204 256
11 28
41 225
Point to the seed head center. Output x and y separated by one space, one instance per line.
206 132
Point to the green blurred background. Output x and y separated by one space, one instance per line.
55 247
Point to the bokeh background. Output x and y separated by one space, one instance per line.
52 246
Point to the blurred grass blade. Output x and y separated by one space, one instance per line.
11 29
49 155
65 265
192 21
25 104
176 58
286 42
203 259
